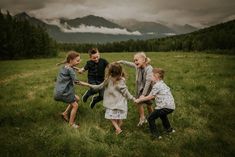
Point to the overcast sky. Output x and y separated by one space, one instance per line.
199 13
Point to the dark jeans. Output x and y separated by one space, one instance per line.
98 98
162 113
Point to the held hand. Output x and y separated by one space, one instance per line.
142 96
137 101
80 71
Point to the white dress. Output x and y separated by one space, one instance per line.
115 98
115 114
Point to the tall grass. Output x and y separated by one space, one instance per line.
203 86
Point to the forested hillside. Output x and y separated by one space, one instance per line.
218 37
19 39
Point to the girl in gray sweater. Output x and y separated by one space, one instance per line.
64 89
143 82
115 95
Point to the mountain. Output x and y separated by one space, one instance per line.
36 22
90 20
146 27
32 20
95 29
183 29
156 28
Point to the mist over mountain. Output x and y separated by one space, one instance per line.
95 29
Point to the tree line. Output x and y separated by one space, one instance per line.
19 39
215 38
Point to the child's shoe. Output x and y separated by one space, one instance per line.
156 137
75 126
169 131
118 132
142 121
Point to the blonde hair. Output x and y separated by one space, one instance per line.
143 55
70 56
159 71
114 70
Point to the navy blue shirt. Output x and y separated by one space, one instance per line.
96 71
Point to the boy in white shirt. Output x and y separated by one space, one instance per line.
164 103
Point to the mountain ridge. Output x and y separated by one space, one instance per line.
77 29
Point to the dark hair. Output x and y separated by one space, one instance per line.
115 70
93 51
70 56
159 71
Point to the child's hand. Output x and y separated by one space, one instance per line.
137 101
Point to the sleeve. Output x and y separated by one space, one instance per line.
148 81
100 86
155 90
86 67
73 75
124 90
130 64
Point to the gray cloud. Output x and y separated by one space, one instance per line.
198 13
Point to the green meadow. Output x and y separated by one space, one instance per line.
203 86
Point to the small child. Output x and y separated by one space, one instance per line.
64 88
143 82
115 95
164 103
96 71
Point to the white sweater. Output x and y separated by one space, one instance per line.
115 94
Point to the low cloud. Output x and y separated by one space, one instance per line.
90 29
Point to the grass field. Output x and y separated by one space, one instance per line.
203 86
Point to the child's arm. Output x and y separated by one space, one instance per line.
95 87
83 83
124 90
79 70
148 81
145 98
130 64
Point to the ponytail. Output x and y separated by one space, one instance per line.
63 62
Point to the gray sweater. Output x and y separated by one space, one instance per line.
143 78
115 94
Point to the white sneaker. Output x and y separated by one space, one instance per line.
142 121
75 126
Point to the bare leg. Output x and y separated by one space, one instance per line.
67 110
119 122
77 98
115 124
73 112
149 108
141 111
65 113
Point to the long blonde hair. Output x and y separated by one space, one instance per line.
143 55
70 56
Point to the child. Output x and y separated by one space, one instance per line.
143 82
64 88
115 95
164 103
96 71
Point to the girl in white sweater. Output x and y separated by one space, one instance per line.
115 95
